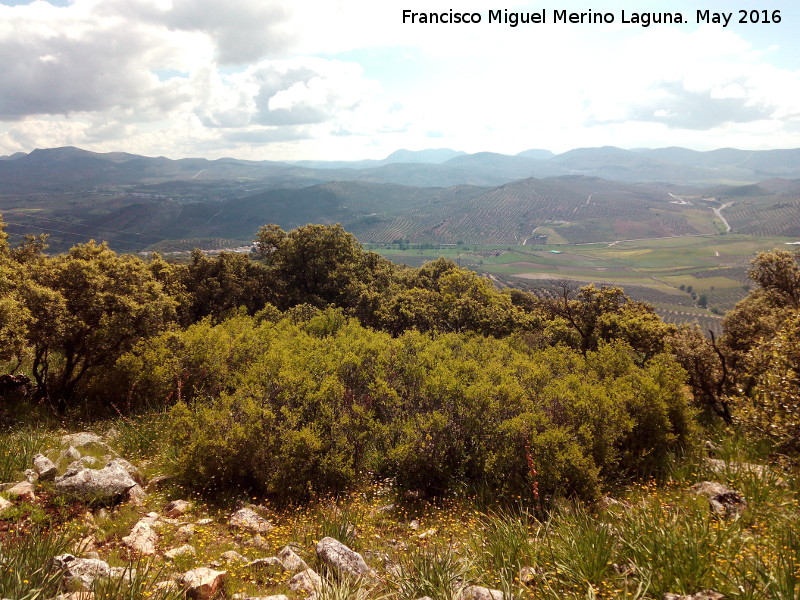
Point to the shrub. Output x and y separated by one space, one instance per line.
309 406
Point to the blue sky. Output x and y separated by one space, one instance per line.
346 79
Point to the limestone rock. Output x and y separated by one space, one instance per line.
22 491
268 564
137 495
4 504
142 538
724 501
168 586
248 520
83 595
69 455
177 508
477 592
81 570
426 534
105 484
709 489
202 583
44 467
184 533
306 581
338 556
527 575
126 573
291 561
729 505
185 550
231 556
88 441
129 469
704 595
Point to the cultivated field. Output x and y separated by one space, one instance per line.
677 275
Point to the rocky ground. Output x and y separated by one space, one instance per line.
127 531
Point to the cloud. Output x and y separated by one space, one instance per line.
242 30
686 109
65 60
298 91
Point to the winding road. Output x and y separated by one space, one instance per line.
718 212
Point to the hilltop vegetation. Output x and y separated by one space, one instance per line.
314 372
457 435
77 321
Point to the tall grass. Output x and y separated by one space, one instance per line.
678 548
25 572
436 572
502 546
17 449
138 582
582 548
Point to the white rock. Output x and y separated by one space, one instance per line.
338 556
142 538
81 570
104 484
248 520
45 467
291 560
177 508
185 550
477 592
22 491
306 581
202 583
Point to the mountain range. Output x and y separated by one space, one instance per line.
436 195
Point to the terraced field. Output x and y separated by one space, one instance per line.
675 275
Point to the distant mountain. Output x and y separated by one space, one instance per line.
569 209
437 195
432 156
537 154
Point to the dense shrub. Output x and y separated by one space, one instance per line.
308 405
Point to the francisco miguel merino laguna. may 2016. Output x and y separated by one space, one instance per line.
645 19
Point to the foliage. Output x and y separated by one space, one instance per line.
91 305
220 285
311 404
772 410
25 562
602 314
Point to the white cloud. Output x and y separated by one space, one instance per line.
262 78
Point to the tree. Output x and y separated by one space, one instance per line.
760 315
14 315
316 264
218 286
707 369
772 409
606 314
89 306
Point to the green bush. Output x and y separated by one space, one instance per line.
310 405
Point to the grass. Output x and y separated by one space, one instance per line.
17 449
25 572
663 540
437 572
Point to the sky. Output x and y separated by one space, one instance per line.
348 80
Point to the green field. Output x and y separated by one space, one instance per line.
655 270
